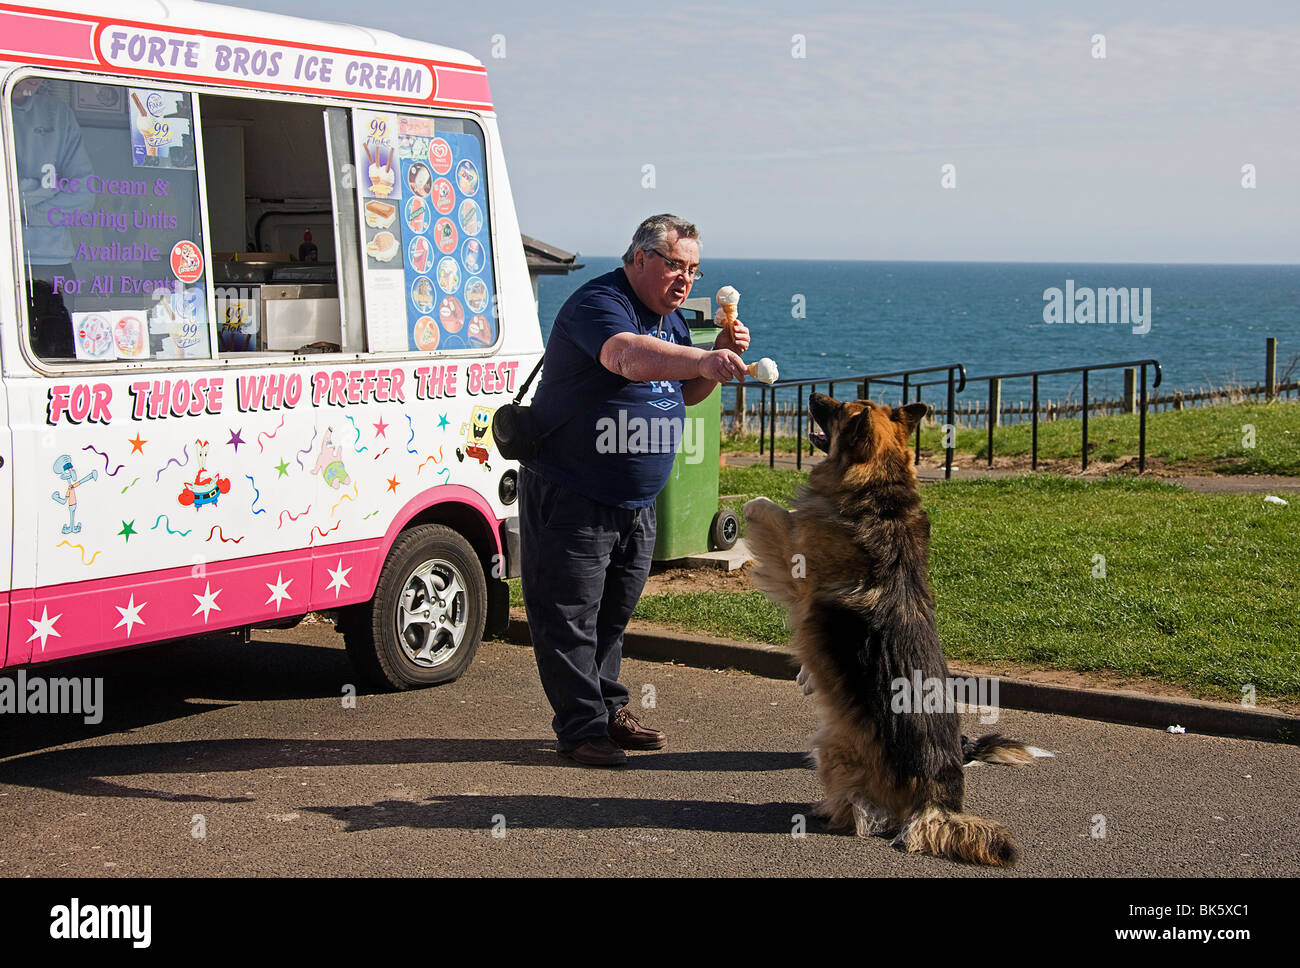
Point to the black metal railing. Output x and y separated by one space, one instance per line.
955 380
995 382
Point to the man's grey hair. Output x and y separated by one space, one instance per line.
653 234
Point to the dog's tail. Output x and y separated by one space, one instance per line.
996 748
958 836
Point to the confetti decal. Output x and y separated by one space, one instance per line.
312 537
358 430
112 473
307 449
271 435
129 486
257 496
436 460
163 517
216 529
409 448
345 497
179 463
292 516
69 544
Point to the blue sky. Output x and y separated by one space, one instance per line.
1058 155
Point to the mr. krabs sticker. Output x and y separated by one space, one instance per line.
187 262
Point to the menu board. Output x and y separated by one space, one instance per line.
428 260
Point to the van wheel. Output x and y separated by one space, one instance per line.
426 620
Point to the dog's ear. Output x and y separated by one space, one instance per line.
910 416
854 431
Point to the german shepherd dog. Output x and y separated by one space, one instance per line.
851 567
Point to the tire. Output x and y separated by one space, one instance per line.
403 638
725 530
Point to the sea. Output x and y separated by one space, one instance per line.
1206 325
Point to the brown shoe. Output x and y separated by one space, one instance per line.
626 732
597 752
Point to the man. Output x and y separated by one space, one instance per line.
619 361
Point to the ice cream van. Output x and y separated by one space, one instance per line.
262 291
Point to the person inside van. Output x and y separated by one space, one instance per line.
619 363
50 154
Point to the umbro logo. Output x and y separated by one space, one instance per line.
663 403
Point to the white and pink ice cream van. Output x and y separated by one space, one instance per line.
262 292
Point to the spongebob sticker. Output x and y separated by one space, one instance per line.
478 437
66 472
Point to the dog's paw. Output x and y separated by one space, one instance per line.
805 681
871 821
758 507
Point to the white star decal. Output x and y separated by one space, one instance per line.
45 627
207 601
130 615
279 591
338 579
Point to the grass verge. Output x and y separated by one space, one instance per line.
1122 575
1242 438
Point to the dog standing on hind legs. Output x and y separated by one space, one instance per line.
852 569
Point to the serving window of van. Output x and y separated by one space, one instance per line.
111 226
192 225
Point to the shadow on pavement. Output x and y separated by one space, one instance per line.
86 771
546 812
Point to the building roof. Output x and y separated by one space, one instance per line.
545 260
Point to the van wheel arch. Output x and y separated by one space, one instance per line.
368 628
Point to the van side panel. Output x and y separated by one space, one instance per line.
214 497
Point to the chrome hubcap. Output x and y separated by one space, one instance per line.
431 613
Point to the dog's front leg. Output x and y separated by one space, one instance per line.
768 534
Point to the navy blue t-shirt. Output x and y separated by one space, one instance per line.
619 448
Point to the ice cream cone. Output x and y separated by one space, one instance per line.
728 302
763 370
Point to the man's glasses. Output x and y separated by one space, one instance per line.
692 272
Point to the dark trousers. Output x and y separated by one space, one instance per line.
584 565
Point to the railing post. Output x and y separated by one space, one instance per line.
1270 367
1130 389
798 435
762 419
866 390
905 376
952 422
740 409
990 418
771 448
1033 447
1085 420
1142 425
917 460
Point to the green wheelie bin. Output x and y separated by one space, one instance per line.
689 521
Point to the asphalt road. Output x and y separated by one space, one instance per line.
252 746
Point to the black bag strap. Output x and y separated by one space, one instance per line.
523 390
